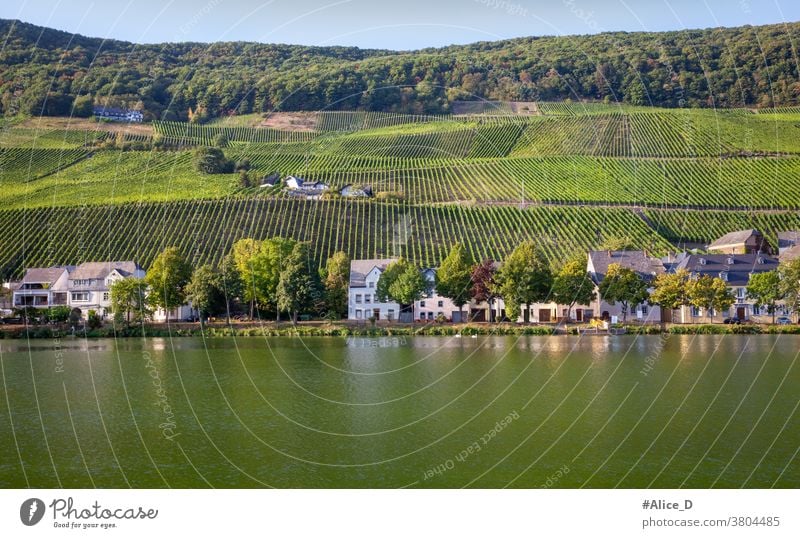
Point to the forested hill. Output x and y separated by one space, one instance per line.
45 70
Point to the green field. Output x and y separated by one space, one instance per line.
569 177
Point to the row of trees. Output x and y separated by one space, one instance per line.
275 274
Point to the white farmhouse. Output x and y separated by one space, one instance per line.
90 284
362 301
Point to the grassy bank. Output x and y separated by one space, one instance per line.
346 330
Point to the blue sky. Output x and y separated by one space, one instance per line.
406 24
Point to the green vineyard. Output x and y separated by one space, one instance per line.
568 175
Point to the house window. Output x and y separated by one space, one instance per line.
740 293
105 296
644 309
80 296
422 304
440 304
358 298
359 314
367 298
390 316
371 285
695 312
756 310
430 315
422 316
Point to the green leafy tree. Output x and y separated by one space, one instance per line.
205 290
624 286
454 277
524 278
83 106
297 286
231 283
242 255
168 276
710 293
268 264
765 290
671 290
129 298
402 282
573 285
790 284
336 278
211 161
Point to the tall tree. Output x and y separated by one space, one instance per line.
128 296
671 290
624 286
242 253
205 291
483 283
790 284
454 277
297 285
168 276
524 278
336 277
268 264
765 290
573 285
231 283
402 282
710 293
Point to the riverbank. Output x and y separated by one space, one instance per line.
345 330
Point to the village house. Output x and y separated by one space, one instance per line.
735 270
306 186
90 284
646 266
788 246
118 114
350 191
271 180
43 288
363 304
740 242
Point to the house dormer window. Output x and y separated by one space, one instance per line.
730 260
724 275
702 261
760 260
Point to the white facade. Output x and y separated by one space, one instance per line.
363 303
90 284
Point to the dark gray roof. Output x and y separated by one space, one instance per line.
788 239
41 275
360 268
736 267
100 270
646 266
734 238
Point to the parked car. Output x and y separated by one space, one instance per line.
784 320
732 321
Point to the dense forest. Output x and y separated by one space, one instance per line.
45 71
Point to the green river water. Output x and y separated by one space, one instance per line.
488 412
